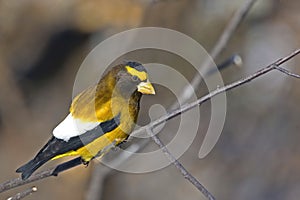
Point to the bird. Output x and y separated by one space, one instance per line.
101 115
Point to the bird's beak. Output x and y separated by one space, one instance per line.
146 88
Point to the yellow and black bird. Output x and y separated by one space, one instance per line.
99 117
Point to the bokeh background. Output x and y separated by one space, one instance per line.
43 43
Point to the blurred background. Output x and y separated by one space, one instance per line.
43 43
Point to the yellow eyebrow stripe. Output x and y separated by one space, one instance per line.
141 75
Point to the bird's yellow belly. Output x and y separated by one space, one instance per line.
102 143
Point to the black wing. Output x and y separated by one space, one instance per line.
56 146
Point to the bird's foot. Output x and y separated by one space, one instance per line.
85 163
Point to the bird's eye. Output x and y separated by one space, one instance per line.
134 78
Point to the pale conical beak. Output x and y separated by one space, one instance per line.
146 88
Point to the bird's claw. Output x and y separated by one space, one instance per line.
85 163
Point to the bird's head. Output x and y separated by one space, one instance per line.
132 77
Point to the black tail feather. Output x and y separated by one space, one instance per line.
29 168
49 151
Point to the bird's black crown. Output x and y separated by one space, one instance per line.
136 65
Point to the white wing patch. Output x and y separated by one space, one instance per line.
71 127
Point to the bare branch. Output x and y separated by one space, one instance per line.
179 166
287 72
18 181
218 48
235 84
234 60
23 194
238 17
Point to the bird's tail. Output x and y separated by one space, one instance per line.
30 167
46 153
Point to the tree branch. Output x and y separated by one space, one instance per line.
23 194
179 166
18 181
218 48
235 84
287 72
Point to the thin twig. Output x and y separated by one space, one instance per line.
203 99
46 173
23 194
235 60
179 166
18 181
287 72
218 48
